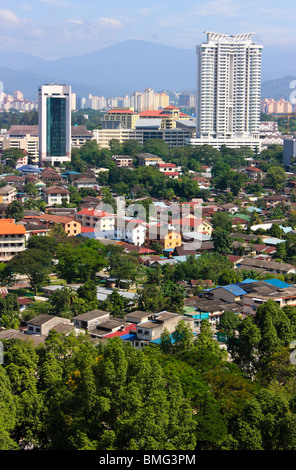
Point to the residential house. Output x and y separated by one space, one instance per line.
70 225
130 230
122 160
151 330
147 159
253 172
166 237
203 182
86 182
168 169
56 195
230 208
49 175
7 194
282 297
211 309
89 320
99 220
42 324
266 266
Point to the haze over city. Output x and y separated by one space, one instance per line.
57 28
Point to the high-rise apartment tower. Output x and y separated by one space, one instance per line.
54 124
228 91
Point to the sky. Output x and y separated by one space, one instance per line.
60 28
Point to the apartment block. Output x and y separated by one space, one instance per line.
12 239
228 91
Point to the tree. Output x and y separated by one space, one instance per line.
275 178
229 322
150 298
244 350
8 415
173 296
206 342
266 423
12 155
31 189
116 304
222 241
276 231
182 337
222 220
35 264
230 276
79 263
15 211
124 266
236 181
165 342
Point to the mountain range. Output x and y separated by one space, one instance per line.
130 66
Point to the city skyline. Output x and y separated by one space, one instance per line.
53 29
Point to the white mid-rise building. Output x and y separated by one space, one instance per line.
228 91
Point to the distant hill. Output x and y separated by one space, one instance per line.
131 65
113 71
277 88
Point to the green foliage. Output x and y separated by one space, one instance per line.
15 211
222 220
222 242
34 263
275 178
79 263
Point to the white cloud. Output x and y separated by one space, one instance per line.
8 16
109 23
57 3
148 11
72 21
229 8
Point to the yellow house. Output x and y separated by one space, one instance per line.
206 228
170 239
71 226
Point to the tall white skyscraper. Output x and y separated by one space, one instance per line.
54 124
228 91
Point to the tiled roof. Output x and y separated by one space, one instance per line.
95 212
8 227
57 190
60 219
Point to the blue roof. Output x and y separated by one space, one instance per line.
235 289
70 173
28 168
278 283
247 281
253 209
272 241
129 337
286 229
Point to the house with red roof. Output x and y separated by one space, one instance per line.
168 169
100 220
253 172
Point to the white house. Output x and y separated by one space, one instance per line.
56 195
130 230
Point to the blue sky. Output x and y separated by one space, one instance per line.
60 28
